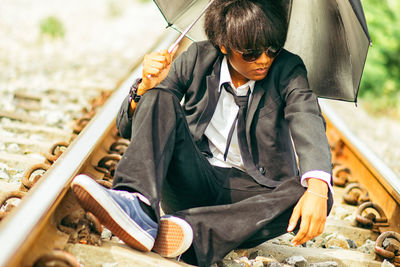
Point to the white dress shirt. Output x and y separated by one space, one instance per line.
225 113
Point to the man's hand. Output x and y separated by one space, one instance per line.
156 66
312 208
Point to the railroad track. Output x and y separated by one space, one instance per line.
49 225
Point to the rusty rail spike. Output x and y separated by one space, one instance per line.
355 194
100 100
341 175
115 133
82 227
337 147
27 181
55 151
108 176
370 220
107 165
103 170
387 246
95 223
109 161
105 183
119 146
57 258
57 148
81 123
7 196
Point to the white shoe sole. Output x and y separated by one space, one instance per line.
93 198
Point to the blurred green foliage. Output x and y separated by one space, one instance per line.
114 9
380 85
53 27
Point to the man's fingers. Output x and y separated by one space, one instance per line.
158 57
312 232
157 65
294 219
162 58
167 56
154 57
312 211
321 228
304 226
153 71
309 230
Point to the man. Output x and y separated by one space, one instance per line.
223 163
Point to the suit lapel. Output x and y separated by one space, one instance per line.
212 96
255 100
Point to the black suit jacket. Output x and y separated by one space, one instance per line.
283 109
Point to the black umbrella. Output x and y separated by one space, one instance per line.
331 36
183 16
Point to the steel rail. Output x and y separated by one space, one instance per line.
20 227
391 180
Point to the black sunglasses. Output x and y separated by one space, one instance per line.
253 55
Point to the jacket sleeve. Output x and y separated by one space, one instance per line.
124 122
306 123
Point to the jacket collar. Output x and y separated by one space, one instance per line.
213 81
225 77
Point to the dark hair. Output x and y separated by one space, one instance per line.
246 24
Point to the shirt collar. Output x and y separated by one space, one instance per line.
225 77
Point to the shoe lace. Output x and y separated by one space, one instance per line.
132 196
124 194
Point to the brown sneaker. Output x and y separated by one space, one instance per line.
174 237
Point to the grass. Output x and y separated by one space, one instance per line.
52 27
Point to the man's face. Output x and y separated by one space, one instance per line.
241 71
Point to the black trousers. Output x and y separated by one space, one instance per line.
226 208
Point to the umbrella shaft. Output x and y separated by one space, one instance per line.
183 34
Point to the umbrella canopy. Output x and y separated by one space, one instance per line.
331 36
180 14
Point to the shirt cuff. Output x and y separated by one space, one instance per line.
320 175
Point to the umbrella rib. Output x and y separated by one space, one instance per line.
183 34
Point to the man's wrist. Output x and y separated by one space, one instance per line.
317 185
141 89
317 174
134 95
